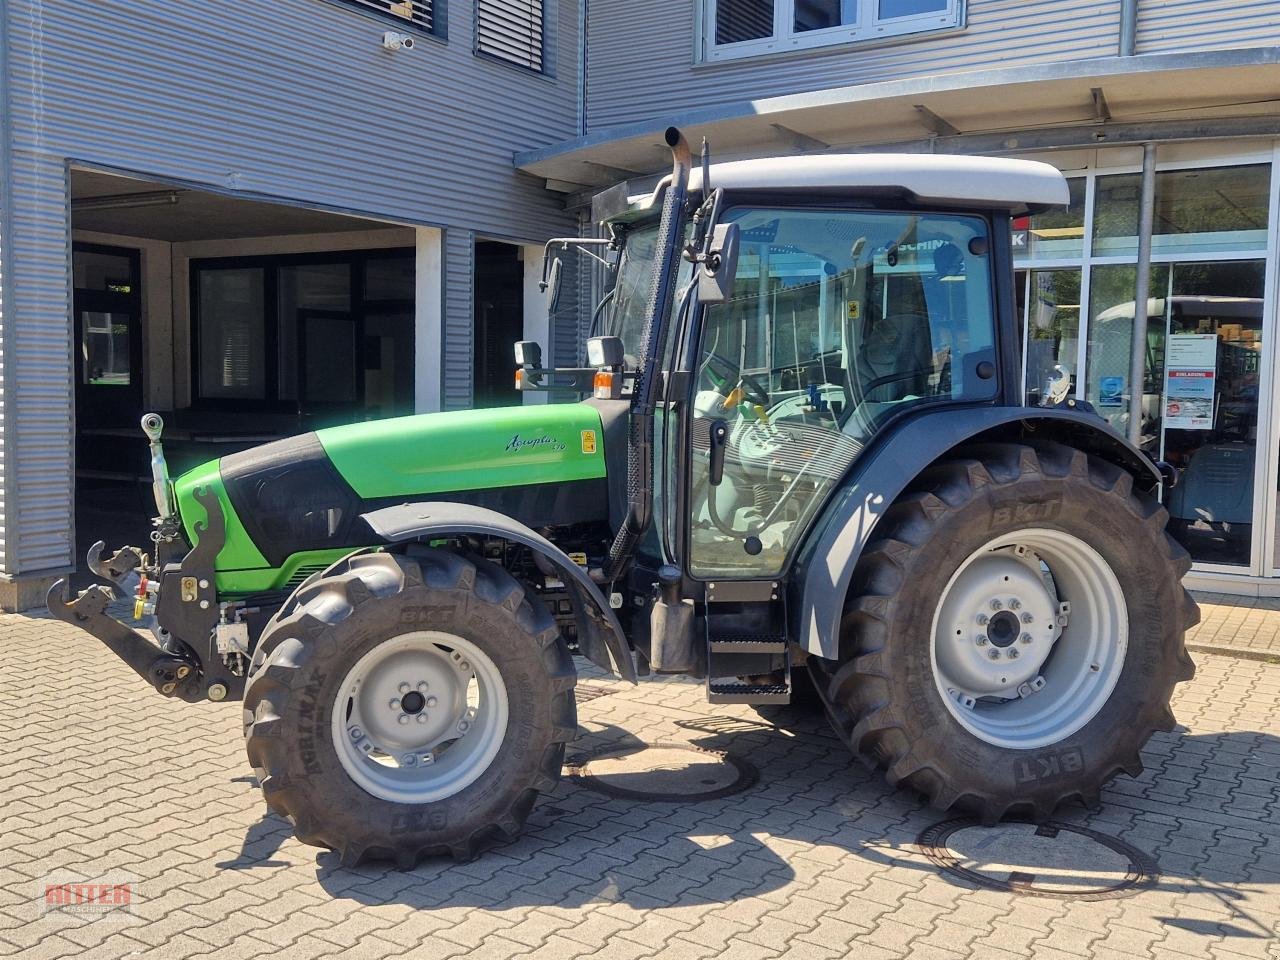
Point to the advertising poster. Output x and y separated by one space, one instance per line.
1190 381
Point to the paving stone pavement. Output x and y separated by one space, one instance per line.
103 778
1245 626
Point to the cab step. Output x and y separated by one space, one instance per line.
748 644
739 692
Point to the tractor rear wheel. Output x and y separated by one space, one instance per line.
1014 633
399 707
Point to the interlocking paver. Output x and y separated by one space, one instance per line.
818 860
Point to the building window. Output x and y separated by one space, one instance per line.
512 31
743 28
426 15
328 336
1206 306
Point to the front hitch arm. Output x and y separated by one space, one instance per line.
121 571
172 675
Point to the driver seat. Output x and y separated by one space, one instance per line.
900 344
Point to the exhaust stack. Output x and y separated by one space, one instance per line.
653 340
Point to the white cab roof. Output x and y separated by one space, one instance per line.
1016 185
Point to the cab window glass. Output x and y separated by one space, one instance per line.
837 320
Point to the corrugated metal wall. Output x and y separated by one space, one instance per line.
1206 24
642 54
293 99
459 320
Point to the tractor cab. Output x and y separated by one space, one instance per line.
811 304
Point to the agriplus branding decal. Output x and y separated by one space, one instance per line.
518 443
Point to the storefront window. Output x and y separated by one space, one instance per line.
1209 425
1204 349
1209 210
1054 234
1111 307
1051 314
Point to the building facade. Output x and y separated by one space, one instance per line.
272 216
1099 89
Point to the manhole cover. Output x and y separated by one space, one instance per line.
1046 860
667 772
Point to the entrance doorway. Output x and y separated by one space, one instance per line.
499 323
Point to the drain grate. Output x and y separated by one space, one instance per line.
663 773
1051 859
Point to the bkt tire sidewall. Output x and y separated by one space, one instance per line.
1153 603
517 762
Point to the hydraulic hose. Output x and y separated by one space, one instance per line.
653 338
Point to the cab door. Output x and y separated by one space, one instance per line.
840 320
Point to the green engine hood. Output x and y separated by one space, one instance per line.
273 495
468 450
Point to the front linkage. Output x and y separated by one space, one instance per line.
179 598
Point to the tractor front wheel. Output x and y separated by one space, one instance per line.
1015 631
400 707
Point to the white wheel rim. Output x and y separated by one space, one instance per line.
420 717
1023 660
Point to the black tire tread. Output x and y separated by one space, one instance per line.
289 641
859 692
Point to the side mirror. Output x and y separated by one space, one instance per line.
717 271
604 352
528 353
550 282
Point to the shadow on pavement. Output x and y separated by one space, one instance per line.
814 801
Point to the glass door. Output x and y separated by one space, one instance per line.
108 312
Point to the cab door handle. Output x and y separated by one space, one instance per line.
719 440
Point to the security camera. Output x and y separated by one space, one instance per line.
397 41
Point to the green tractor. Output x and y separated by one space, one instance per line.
804 462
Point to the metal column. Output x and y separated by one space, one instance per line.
1142 294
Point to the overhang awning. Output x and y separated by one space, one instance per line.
1076 103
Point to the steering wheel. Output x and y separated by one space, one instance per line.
755 391
890 378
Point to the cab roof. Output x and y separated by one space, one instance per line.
1019 186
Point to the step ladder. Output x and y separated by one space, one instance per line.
746 637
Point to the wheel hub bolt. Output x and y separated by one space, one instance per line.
1015 604
404 688
993 654
997 605
1027 618
1025 638
431 701
409 760
356 733
394 704
464 667
1013 653
983 619
980 640
404 718
464 726
422 718
422 685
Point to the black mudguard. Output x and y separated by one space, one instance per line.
824 567
600 636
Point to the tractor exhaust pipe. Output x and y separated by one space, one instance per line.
653 339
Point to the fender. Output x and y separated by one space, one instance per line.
600 636
824 566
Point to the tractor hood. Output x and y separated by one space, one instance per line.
467 450
293 504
